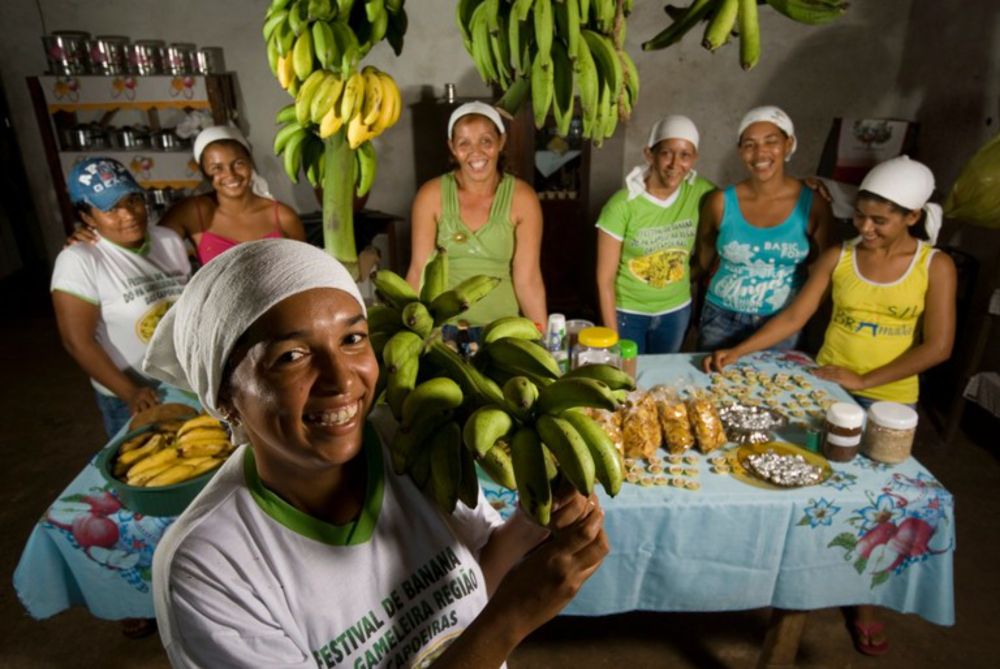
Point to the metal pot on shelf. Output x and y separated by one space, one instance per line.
166 140
146 56
66 51
108 54
180 57
209 60
87 136
129 138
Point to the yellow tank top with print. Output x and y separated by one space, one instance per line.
875 323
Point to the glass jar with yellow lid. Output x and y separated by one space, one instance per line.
596 345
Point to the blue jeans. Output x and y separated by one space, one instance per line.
114 412
722 328
655 334
866 402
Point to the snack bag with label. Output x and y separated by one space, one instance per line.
673 415
707 425
640 425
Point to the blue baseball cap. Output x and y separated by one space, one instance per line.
101 183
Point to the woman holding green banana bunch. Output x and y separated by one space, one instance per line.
305 548
488 222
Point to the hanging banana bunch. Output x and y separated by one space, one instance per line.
554 50
509 409
724 17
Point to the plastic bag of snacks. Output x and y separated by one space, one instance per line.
611 423
640 425
673 415
707 424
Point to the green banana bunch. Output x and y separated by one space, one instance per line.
435 276
547 51
609 375
723 16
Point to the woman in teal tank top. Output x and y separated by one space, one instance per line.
486 221
762 231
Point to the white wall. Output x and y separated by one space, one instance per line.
904 58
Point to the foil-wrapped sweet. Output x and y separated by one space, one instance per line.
784 470
747 424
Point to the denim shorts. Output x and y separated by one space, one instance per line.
721 328
114 412
663 333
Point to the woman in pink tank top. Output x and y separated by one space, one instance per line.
239 209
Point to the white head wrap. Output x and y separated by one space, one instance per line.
674 126
218 132
194 339
477 107
909 184
770 114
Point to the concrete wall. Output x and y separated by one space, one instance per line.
910 59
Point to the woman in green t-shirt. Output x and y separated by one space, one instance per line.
646 235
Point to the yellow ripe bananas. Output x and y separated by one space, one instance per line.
176 451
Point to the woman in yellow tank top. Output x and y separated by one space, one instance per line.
893 309
488 222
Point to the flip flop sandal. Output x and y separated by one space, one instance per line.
862 635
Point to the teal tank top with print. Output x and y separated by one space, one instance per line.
489 250
760 269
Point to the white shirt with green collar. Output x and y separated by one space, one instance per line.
243 579
132 287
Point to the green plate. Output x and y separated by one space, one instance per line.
168 500
737 457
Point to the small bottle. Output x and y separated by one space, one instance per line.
842 428
629 352
596 345
556 342
889 432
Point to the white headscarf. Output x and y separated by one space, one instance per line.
218 132
674 126
909 184
196 336
770 114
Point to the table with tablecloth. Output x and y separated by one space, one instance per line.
90 550
870 534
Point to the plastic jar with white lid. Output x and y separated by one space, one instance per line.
596 345
842 431
889 432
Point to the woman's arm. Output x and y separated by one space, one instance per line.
77 322
788 321
290 224
820 224
533 592
938 335
423 229
609 253
526 271
183 218
708 230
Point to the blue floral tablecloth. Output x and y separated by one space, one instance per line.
870 534
90 550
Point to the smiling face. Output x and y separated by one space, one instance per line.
124 224
228 166
763 148
302 381
882 224
670 161
476 144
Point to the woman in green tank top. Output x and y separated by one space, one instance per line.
486 221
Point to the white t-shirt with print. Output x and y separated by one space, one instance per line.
242 579
132 287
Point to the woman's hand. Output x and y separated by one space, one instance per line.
845 378
82 233
816 185
538 588
142 399
717 360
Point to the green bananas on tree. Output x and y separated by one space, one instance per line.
546 50
723 17
314 48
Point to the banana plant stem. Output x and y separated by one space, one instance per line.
338 202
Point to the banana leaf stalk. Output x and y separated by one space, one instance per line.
338 202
